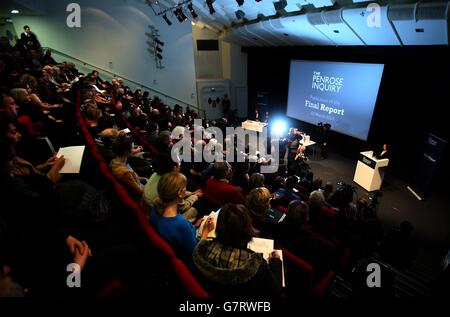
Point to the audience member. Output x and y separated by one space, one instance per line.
218 186
228 267
258 204
328 191
316 201
177 231
292 235
256 180
288 191
122 147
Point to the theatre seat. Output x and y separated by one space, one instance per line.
191 285
30 126
109 289
300 279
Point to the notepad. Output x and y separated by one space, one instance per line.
73 156
212 234
265 247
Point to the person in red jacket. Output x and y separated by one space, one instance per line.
218 187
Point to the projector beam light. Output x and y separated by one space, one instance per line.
279 128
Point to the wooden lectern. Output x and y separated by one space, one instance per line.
254 125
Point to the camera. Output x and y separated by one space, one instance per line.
343 185
343 195
373 198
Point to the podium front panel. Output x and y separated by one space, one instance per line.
367 160
368 174
364 175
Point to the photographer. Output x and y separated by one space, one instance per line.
373 198
342 197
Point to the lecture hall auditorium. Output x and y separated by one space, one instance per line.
120 177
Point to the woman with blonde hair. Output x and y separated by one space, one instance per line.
258 204
176 230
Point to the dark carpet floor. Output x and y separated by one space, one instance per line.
430 217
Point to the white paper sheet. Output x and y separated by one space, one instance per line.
266 247
73 156
212 234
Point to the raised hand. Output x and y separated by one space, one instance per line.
82 254
74 244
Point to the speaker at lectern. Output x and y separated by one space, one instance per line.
369 172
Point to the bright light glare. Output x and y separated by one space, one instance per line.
279 128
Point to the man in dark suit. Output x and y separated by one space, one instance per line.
29 39
384 153
323 139
226 104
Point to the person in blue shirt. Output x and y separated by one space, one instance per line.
176 230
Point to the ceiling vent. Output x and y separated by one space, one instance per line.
421 23
372 27
331 24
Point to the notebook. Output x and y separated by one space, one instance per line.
276 216
73 156
266 247
212 234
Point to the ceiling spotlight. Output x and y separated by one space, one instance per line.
240 2
159 42
209 3
15 11
166 19
180 14
159 56
240 14
280 5
192 11
158 49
